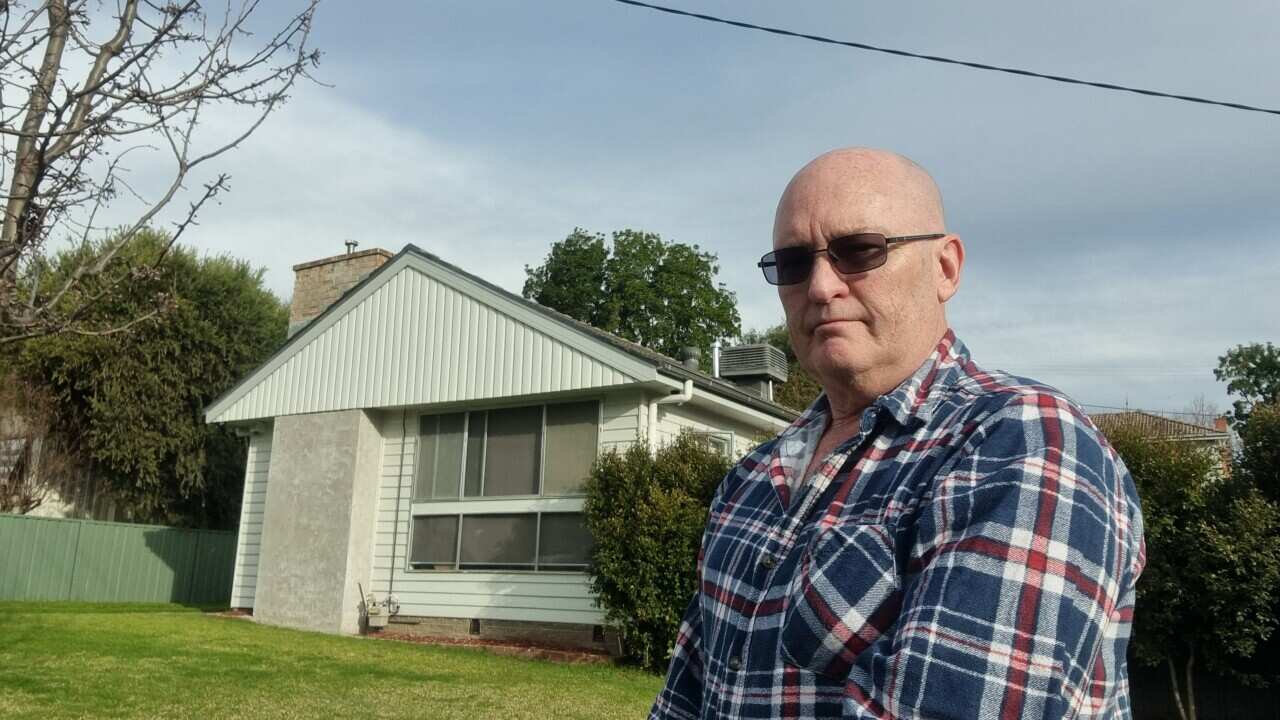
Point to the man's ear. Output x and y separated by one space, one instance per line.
948 262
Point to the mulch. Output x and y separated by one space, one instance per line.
513 648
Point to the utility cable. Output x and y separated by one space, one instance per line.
950 61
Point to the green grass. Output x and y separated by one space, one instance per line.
70 660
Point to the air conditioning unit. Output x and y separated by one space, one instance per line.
754 368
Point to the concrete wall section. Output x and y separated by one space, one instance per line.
320 464
364 510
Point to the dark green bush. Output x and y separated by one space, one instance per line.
646 515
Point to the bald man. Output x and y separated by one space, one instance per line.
929 539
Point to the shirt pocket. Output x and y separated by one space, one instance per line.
845 597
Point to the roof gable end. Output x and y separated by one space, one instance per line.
420 331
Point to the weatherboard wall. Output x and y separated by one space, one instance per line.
672 419
522 596
249 541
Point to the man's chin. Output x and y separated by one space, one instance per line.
839 356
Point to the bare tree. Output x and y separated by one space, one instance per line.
86 84
35 463
1201 411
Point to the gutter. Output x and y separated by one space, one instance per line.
675 398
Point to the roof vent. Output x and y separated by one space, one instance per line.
690 356
754 368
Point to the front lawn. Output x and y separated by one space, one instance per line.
64 660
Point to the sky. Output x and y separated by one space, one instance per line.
1117 244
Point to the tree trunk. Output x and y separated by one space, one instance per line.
1173 686
27 153
1191 692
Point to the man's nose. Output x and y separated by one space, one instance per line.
824 282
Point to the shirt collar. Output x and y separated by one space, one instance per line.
915 398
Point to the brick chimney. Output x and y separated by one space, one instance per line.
1220 423
319 283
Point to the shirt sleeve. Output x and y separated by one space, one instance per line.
681 698
1018 588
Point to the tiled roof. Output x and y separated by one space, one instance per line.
1157 426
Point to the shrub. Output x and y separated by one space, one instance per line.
646 515
1260 456
1205 597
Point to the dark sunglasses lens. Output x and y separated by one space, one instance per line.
791 265
859 253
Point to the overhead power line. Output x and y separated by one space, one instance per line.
947 60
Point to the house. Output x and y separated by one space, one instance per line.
1216 439
425 434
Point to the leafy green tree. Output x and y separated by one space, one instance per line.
646 515
800 389
134 400
1253 373
1260 449
1213 563
572 278
660 294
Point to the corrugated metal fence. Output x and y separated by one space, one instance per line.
55 559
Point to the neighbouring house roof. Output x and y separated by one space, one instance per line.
1159 427
362 351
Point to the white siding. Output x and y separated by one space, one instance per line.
542 597
623 421
419 335
673 418
245 580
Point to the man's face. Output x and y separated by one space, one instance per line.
859 326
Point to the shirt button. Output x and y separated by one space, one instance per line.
769 562
735 663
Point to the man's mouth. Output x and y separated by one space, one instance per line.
832 321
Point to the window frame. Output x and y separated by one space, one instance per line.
466 441
728 437
457 557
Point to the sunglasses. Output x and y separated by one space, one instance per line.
848 254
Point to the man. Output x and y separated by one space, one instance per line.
929 539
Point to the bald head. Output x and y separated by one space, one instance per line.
862 333
891 192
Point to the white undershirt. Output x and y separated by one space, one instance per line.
798 449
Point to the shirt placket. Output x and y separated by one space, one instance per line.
780 542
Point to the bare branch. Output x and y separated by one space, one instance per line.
155 77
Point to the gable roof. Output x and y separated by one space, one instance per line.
1157 426
329 364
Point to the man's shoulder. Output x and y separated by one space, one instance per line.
1000 402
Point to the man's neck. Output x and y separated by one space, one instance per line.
848 397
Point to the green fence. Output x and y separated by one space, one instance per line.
54 559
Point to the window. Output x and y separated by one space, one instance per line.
571 447
512 441
508 541
498 542
433 544
439 457
521 451
563 542
721 442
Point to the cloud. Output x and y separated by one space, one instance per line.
1118 244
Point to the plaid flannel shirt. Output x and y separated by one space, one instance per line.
971 553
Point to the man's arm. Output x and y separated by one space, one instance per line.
1020 578
682 696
